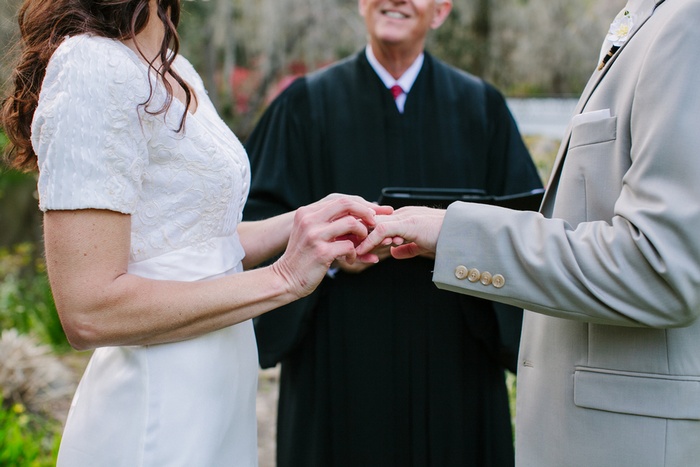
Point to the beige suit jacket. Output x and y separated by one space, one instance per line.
609 371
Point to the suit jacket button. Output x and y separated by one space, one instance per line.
499 281
461 272
474 275
486 278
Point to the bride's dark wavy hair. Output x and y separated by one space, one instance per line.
43 25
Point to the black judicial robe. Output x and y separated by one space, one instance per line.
382 368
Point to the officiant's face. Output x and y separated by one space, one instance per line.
403 23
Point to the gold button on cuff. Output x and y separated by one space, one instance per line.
474 275
461 272
498 281
486 278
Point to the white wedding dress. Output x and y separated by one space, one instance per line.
190 403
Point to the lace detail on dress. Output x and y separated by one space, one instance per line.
183 190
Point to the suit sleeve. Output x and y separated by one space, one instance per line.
640 268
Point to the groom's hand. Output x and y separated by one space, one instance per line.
411 231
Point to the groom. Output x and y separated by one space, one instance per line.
609 367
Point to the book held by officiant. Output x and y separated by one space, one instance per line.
398 197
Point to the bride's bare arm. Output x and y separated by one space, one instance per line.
268 238
101 304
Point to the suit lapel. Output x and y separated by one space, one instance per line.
598 75
595 79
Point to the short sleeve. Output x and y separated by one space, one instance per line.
90 142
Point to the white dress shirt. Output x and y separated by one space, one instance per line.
405 81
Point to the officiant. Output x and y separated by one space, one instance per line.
609 269
379 367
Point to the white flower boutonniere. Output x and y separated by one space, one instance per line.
618 33
620 28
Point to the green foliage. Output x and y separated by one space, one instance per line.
5 175
26 303
3 143
26 439
512 386
543 151
10 179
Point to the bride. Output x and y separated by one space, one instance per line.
142 186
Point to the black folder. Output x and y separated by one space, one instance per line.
398 197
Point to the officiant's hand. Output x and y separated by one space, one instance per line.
410 231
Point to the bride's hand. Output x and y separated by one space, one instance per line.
323 232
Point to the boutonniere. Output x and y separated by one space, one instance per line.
618 33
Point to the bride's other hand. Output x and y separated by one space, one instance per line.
382 252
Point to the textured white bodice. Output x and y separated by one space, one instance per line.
183 190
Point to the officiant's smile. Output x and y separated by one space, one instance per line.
402 22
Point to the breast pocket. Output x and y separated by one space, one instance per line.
589 183
591 133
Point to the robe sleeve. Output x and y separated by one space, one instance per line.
279 150
511 170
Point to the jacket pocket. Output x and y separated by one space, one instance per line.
646 394
598 131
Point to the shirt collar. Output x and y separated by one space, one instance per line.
406 80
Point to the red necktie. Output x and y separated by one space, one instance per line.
396 91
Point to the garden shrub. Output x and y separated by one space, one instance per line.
26 303
26 439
